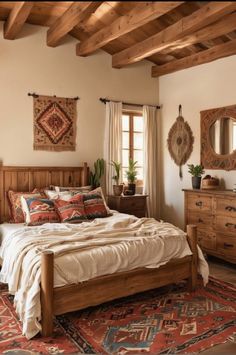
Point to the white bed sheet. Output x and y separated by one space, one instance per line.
8 228
104 246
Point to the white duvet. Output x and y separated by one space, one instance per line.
82 252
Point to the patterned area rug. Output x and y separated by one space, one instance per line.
163 321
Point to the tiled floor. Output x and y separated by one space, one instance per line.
227 272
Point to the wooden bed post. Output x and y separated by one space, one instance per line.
85 175
192 240
47 292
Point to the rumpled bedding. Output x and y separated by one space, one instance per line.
82 252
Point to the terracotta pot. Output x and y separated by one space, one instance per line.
132 187
118 189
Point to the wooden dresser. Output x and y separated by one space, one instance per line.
135 204
214 213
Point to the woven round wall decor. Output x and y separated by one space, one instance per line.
180 141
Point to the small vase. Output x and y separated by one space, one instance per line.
196 182
118 189
132 187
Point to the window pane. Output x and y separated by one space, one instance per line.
125 123
124 169
138 156
125 140
125 157
140 173
138 123
138 141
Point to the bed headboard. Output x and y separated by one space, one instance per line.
26 178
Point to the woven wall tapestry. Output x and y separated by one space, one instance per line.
54 123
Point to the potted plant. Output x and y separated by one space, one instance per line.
117 188
196 171
131 174
94 178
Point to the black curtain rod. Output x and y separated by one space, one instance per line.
103 100
36 96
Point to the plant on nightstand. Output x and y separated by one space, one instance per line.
131 174
196 171
117 188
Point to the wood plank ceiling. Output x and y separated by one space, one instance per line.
173 35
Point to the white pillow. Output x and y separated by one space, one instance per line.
63 195
25 209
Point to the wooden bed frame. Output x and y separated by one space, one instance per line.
60 300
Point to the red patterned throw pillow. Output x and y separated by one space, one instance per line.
14 200
40 211
71 211
94 205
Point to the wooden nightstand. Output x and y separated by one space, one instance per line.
135 204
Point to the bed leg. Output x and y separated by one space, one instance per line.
47 293
85 175
192 240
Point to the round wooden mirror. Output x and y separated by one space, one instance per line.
218 138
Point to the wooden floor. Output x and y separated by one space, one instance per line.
227 272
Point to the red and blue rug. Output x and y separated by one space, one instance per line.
162 321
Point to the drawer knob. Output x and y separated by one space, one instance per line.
227 245
200 220
230 225
230 208
199 203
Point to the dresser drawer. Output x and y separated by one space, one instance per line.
197 202
206 240
225 207
201 220
226 245
225 224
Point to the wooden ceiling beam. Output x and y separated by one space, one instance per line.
125 24
16 19
173 34
209 55
76 13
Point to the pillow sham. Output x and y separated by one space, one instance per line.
94 205
99 191
71 211
74 189
39 211
14 201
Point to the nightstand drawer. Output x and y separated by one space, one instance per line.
225 224
226 245
133 203
199 203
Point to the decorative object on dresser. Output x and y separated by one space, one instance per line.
218 138
180 141
135 204
210 183
131 174
54 123
214 213
117 188
196 172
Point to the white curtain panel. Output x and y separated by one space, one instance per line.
112 141
150 183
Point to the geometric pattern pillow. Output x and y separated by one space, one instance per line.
71 211
14 201
94 205
40 211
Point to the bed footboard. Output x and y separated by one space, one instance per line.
192 241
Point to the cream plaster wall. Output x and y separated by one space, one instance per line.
199 88
28 65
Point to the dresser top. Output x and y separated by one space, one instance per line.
212 192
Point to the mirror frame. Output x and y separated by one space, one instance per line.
209 158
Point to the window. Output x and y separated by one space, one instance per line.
132 143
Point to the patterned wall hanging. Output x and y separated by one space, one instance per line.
180 141
54 123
